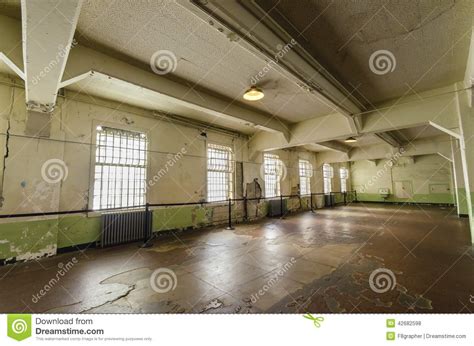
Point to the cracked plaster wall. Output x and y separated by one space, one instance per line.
71 140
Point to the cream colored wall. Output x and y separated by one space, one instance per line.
72 139
290 159
427 175
72 133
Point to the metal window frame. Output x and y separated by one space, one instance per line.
328 174
120 168
219 177
305 169
272 174
343 178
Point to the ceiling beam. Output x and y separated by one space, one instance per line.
329 127
86 63
11 53
439 145
437 106
390 139
252 28
48 29
336 146
434 107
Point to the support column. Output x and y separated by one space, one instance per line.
48 28
466 124
458 177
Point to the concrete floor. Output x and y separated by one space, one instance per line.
308 262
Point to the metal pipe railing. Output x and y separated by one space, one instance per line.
149 205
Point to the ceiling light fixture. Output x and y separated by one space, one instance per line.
350 140
253 94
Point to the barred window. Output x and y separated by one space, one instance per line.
273 168
344 175
306 172
328 173
220 168
120 168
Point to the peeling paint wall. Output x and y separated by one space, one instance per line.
72 139
423 179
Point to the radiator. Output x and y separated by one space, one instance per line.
125 227
275 207
329 200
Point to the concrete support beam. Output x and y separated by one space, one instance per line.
334 145
48 31
458 177
390 139
434 107
466 125
434 145
11 53
255 31
329 127
85 62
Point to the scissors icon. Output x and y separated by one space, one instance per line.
316 320
471 298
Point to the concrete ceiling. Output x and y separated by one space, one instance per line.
364 140
419 132
123 92
134 31
404 136
316 147
429 40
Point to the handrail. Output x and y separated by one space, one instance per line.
230 200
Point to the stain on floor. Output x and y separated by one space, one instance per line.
357 258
